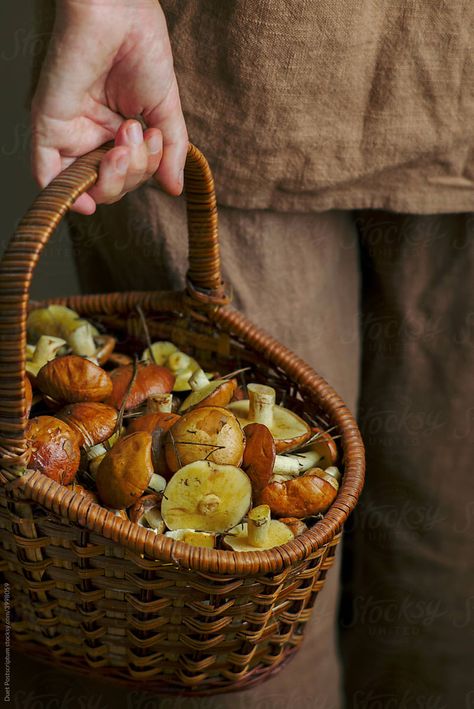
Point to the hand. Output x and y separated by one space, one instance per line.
109 61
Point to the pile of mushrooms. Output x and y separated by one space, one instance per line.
175 449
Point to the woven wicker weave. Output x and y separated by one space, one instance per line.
91 590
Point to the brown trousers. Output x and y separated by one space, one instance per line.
377 303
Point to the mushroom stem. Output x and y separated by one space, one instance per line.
198 380
296 463
261 403
258 525
157 483
154 519
159 404
208 504
334 472
46 349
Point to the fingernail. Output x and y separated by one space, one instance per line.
153 144
121 164
135 133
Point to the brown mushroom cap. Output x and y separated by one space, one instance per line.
125 471
149 422
151 380
305 495
259 455
146 503
105 347
205 433
325 445
287 428
93 422
296 525
216 393
54 448
206 497
72 379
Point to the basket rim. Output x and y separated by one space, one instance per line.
56 498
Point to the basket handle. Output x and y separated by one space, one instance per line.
25 247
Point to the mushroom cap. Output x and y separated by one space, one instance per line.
149 422
238 537
160 351
296 525
325 445
288 429
205 433
196 539
259 455
144 504
217 393
305 495
54 320
125 471
105 346
151 380
93 422
206 497
72 379
54 448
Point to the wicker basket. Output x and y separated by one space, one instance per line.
91 590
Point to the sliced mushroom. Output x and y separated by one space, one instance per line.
205 393
54 448
72 379
287 428
260 532
205 433
196 539
93 421
206 497
151 380
308 494
126 471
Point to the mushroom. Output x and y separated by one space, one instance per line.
261 463
118 359
296 525
151 380
196 539
45 350
162 403
126 471
323 443
308 494
54 448
72 379
205 433
105 347
160 351
260 532
59 321
205 393
206 497
93 422
146 513
287 428
150 422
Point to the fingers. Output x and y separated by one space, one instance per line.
134 159
169 118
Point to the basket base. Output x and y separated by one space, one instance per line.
113 676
